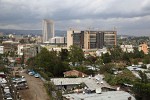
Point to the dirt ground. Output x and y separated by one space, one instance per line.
36 89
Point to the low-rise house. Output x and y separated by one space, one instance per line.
74 73
144 47
92 83
111 95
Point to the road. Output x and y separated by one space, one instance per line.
36 89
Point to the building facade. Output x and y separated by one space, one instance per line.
1 49
144 47
48 30
28 50
91 39
127 48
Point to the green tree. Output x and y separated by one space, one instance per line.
50 63
116 53
137 53
76 54
141 88
64 54
106 58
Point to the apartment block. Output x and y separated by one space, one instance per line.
91 39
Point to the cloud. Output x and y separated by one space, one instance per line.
127 15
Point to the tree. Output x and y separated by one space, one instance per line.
91 60
126 57
106 58
137 53
116 53
64 54
141 89
51 63
31 63
76 55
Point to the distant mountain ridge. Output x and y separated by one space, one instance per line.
31 32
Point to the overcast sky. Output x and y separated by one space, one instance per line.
128 16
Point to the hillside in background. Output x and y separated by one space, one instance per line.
31 32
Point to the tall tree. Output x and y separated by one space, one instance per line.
106 58
64 54
76 54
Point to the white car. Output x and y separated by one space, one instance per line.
9 98
36 75
30 73
6 89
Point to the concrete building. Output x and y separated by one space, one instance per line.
28 50
1 49
91 39
48 29
58 40
127 48
92 83
99 52
10 46
110 95
143 47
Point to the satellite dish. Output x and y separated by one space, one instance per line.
99 90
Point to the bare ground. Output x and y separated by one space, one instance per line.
36 89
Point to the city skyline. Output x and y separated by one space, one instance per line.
129 17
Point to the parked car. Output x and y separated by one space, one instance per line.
6 89
22 86
7 95
31 73
9 98
37 75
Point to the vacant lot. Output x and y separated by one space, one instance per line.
36 89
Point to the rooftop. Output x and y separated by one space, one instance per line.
111 95
91 82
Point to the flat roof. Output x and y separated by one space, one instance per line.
111 95
91 82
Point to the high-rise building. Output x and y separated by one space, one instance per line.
48 30
91 39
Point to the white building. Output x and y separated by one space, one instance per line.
48 30
20 50
127 48
99 52
58 40
1 49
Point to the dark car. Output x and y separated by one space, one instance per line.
7 95
22 86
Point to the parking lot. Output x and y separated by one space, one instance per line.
6 88
36 89
1 97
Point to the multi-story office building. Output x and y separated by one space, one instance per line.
48 30
91 39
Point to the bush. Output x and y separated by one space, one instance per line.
44 75
51 90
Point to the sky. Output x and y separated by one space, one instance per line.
128 17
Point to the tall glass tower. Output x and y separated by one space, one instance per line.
48 29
